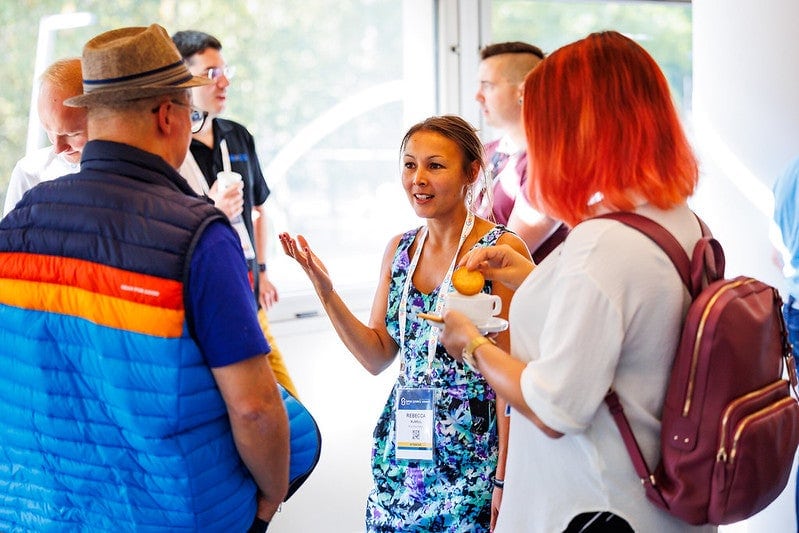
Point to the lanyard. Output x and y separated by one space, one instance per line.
192 173
432 340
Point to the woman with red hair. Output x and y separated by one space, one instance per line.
605 308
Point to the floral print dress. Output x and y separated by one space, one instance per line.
452 493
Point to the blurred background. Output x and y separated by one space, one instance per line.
328 88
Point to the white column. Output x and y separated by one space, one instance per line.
746 125
746 119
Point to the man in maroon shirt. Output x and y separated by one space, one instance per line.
503 67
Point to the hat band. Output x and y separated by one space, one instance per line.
173 74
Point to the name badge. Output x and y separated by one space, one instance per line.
415 419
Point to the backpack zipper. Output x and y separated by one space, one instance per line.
746 420
721 455
699 332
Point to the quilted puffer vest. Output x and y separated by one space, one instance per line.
111 420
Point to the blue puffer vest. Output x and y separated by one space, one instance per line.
111 420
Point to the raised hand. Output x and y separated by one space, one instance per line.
299 250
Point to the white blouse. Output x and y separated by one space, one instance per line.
605 309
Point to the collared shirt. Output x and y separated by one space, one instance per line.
507 170
506 175
205 161
243 159
42 165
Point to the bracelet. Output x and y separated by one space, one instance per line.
468 350
498 483
261 267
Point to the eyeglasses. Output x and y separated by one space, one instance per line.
215 72
197 116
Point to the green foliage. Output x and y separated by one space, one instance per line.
663 28
292 60
296 60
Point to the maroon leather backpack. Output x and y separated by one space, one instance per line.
730 427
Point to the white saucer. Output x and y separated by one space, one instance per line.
495 325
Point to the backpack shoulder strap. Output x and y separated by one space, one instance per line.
706 263
633 450
662 237
691 278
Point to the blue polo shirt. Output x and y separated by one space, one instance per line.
220 304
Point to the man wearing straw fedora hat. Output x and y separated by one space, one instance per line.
123 406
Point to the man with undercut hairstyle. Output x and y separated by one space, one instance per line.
502 70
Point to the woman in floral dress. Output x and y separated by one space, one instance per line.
447 485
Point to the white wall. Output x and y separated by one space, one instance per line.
746 118
746 122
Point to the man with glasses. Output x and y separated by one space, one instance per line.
125 405
222 145
64 126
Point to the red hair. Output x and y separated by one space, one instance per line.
600 124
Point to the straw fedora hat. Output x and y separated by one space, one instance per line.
131 63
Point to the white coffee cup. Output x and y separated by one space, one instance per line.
479 308
226 178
